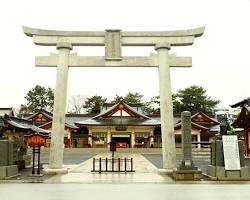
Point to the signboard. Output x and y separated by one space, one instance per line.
122 136
231 152
121 128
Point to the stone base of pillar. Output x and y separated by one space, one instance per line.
189 175
50 171
165 171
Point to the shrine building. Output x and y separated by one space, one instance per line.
127 125
124 124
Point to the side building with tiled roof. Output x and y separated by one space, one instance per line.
17 127
201 125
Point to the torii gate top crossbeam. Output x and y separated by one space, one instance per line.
196 32
99 38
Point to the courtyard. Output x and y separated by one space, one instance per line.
78 161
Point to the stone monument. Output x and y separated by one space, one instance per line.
227 156
187 169
113 40
7 169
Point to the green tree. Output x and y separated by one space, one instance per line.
94 103
117 99
38 98
193 99
130 98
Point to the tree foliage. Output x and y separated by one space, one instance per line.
130 98
134 98
193 99
38 98
94 103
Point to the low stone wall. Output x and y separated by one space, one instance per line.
7 172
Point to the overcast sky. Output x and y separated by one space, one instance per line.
221 57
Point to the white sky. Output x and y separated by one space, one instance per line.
221 57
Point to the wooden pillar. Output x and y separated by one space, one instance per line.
199 140
246 141
90 138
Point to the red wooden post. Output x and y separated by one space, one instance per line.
246 141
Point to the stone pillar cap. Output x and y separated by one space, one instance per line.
186 113
164 45
66 45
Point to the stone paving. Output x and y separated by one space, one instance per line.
177 191
145 172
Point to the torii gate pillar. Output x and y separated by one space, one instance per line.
166 107
57 140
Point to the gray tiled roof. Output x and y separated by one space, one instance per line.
71 120
44 112
127 106
25 125
139 120
120 121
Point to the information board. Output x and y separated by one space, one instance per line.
231 152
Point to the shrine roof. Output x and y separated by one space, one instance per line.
241 103
121 106
243 119
194 125
204 117
70 120
119 121
120 114
23 124
66 125
43 112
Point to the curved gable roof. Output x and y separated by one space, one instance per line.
125 107
205 117
45 113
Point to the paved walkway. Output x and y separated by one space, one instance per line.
124 191
145 172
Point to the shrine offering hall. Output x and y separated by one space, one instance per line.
123 124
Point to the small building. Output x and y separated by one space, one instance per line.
16 128
201 125
43 119
243 121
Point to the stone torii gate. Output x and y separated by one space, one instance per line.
113 40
